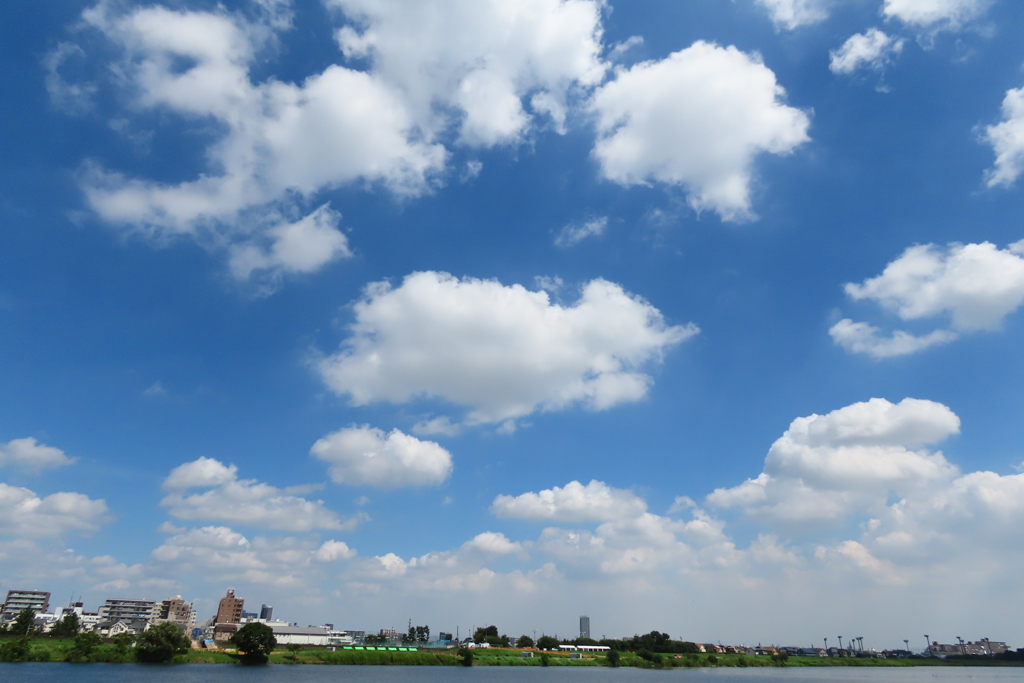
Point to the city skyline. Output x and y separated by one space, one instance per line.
698 317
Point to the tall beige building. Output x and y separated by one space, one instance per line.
229 611
179 612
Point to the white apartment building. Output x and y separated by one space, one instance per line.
121 609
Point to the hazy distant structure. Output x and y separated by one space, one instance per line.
267 612
584 627
229 611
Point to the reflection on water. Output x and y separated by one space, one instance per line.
228 673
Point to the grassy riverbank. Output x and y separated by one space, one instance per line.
57 650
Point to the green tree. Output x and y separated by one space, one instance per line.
161 643
547 643
612 657
254 642
417 634
84 647
524 641
24 625
466 656
68 627
482 633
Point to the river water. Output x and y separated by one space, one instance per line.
227 673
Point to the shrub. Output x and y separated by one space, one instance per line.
84 647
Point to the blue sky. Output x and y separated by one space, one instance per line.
700 317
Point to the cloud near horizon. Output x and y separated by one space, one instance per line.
242 501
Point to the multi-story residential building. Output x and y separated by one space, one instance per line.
177 611
229 611
124 609
37 601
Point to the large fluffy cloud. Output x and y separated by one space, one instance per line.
696 119
280 140
242 501
976 285
501 351
25 513
825 467
572 503
1007 140
487 68
479 58
31 456
365 456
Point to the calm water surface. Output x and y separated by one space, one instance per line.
226 673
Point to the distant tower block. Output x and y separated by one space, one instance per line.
584 627
267 612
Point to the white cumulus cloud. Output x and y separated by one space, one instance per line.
872 49
281 140
203 472
242 501
365 456
501 351
332 551
860 337
975 285
300 247
1007 140
574 502
494 543
825 467
31 456
696 119
480 58
936 13
25 513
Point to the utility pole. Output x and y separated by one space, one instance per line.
928 643
826 646
840 646
963 650
906 641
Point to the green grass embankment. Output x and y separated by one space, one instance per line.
57 650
